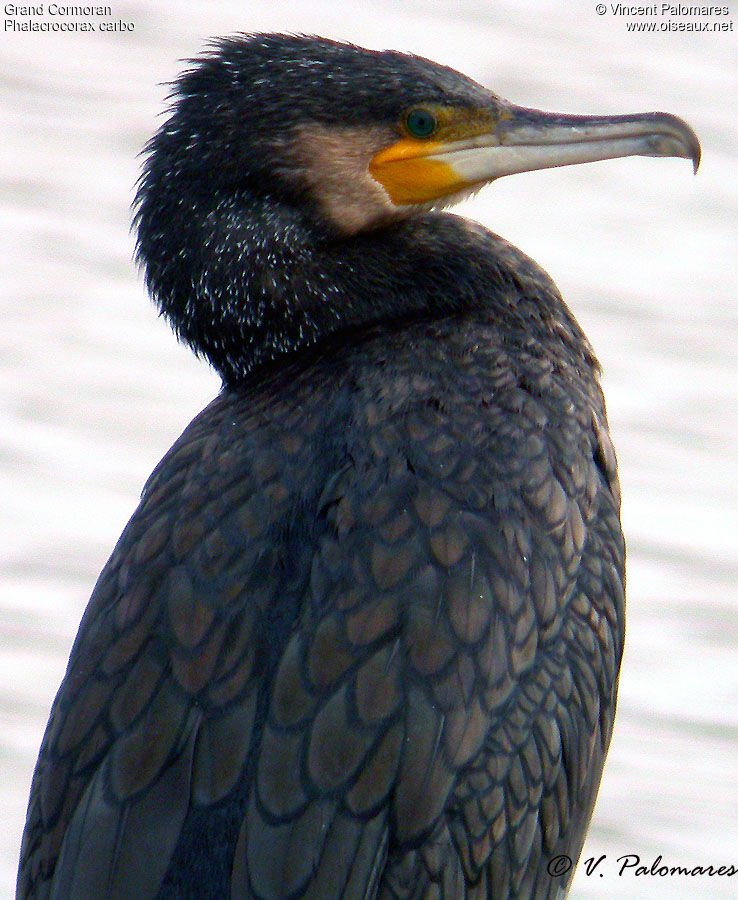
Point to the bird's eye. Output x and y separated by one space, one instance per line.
420 123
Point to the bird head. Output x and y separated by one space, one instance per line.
263 206
365 137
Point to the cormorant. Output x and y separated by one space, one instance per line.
361 637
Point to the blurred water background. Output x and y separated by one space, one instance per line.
94 388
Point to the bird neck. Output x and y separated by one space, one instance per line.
247 280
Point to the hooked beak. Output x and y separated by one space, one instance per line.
522 140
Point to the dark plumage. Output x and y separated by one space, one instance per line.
361 638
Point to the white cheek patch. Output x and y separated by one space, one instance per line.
333 163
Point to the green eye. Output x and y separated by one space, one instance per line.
420 123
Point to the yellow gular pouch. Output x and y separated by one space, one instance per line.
418 169
408 175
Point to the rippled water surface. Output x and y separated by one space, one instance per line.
94 389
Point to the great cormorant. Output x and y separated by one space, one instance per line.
361 637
